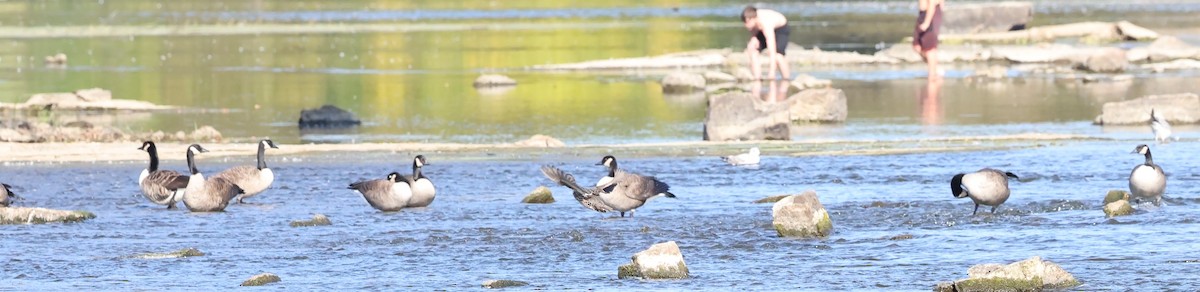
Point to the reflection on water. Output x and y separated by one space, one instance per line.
931 103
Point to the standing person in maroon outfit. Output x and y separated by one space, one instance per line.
925 35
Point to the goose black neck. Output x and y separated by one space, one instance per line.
612 169
262 150
417 171
1149 159
191 158
153 157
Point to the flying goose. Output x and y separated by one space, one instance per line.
423 190
206 195
1147 180
252 179
1162 129
750 158
986 187
5 195
391 194
163 187
589 198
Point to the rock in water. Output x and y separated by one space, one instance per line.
718 77
682 82
1116 195
1107 60
801 216
743 116
1033 274
206 134
660 261
1168 48
805 81
771 199
1183 108
818 105
541 141
22 215
261 279
183 253
494 80
328 116
540 195
317 220
1118 208
986 17
1134 32
497 284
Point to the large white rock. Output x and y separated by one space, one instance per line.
660 261
1168 48
805 81
743 116
1033 274
718 77
1183 108
967 18
826 105
1108 60
801 216
1134 32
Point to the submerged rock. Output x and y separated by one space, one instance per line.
23 215
986 17
1108 60
743 116
494 80
771 199
317 220
1183 108
818 105
901 237
497 284
1033 274
682 82
183 253
261 279
540 195
660 261
801 216
328 116
540 140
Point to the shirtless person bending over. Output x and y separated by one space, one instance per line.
770 30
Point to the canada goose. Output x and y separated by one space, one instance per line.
252 179
391 194
1162 129
423 190
589 198
163 187
627 191
5 195
986 187
211 195
1147 180
750 158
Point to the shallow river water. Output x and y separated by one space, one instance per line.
414 86
477 229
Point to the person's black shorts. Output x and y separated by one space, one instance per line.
781 39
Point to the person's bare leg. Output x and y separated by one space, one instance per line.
783 67
932 60
920 52
755 69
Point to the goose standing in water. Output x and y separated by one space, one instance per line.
987 187
620 190
750 158
252 179
391 194
589 198
423 190
206 195
163 187
1147 181
6 195
1162 129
